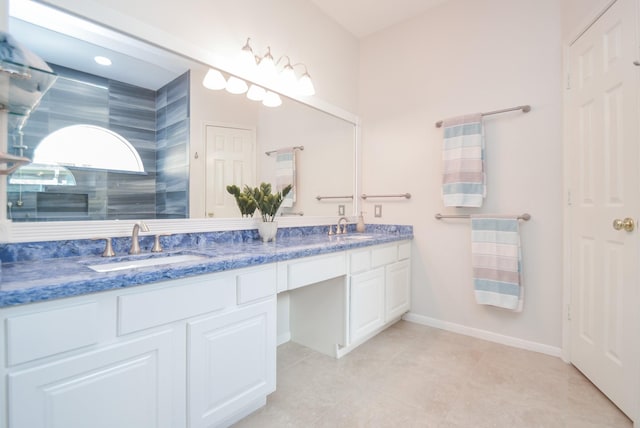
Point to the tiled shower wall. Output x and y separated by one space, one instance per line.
172 150
156 123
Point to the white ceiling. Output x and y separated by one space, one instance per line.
365 17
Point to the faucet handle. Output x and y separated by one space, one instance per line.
330 230
108 248
157 247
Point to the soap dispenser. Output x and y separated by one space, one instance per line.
360 224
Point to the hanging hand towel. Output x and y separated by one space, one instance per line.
463 181
497 262
286 174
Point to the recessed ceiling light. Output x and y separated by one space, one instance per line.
102 60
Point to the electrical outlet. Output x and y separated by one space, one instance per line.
340 209
377 210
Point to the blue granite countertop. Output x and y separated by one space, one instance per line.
41 278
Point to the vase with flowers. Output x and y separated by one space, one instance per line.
265 201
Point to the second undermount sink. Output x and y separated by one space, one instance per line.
133 263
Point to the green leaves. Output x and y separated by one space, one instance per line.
261 198
245 200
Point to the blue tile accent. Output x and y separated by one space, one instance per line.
156 123
26 279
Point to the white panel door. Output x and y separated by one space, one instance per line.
603 140
230 159
126 386
232 361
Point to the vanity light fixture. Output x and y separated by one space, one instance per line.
102 60
267 67
236 86
256 93
271 99
305 85
214 80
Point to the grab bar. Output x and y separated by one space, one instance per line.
399 195
334 197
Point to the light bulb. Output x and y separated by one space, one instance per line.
271 99
236 86
256 93
305 85
288 78
214 80
246 58
102 60
267 66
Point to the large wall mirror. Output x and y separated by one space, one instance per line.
189 142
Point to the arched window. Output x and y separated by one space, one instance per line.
88 146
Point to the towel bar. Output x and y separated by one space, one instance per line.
525 109
525 216
288 149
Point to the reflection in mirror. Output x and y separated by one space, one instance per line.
191 141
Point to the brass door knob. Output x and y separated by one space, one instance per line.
627 224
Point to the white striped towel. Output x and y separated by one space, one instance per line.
497 262
286 174
463 179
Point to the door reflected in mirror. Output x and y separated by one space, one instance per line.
192 141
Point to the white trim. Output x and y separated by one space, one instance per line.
514 342
588 23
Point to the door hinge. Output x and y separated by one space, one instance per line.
568 312
569 201
568 81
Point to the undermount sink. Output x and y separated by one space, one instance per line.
134 263
356 237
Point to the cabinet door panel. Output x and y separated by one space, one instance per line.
231 362
397 289
125 386
366 303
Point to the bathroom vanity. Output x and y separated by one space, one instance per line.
188 344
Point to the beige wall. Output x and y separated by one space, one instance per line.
462 57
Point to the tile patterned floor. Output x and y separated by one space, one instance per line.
416 376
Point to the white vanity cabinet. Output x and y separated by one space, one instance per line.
367 303
192 352
128 384
379 287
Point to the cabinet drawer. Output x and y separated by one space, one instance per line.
359 261
404 250
256 284
315 269
183 299
384 255
42 334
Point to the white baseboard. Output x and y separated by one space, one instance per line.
484 334
283 338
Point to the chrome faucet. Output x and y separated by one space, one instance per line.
135 244
344 228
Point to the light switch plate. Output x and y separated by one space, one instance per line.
340 209
377 210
